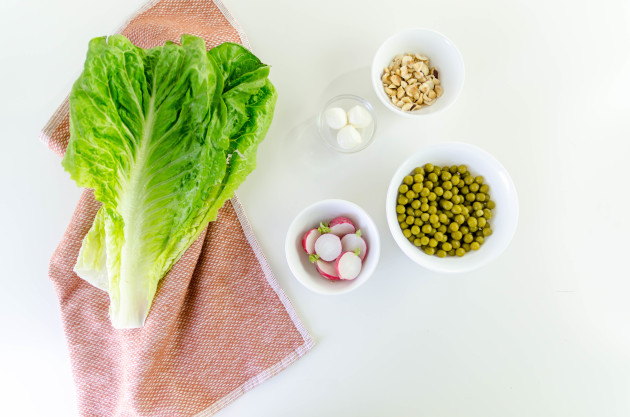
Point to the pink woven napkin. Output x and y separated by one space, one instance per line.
219 325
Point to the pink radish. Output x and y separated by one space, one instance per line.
353 242
327 270
328 247
308 240
348 265
341 226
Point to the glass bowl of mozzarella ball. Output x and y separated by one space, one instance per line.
347 123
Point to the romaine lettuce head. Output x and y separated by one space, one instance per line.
164 136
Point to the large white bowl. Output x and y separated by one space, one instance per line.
444 56
310 217
502 191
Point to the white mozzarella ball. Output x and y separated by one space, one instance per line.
348 137
336 117
359 117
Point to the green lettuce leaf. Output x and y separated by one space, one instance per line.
164 136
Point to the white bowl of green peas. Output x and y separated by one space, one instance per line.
452 207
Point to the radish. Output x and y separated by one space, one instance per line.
353 242
341 226
348 265
328 247
308 240
327 270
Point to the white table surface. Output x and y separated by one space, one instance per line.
542 331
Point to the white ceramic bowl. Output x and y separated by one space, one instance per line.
310 217
346 102
502 191
443 55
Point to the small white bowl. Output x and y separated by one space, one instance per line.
346 102
443 55
502 191
310 217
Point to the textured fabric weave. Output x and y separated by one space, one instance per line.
219 324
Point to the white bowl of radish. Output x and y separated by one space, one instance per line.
332 246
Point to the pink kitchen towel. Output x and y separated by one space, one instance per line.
219 325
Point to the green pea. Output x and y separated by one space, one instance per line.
407 233
462 169
443 218
479 179
429 250
426 228
416 187
446 175
460 219
474 187
424 192
409 211
417 212
424 207
433 243
481 222
490 204
424 217
442 229
418 178
439 191
418 221
464 229
475 246
415 230
403 188
433 218
477 205
453 227
439 236
408 180
432 177
432 196
409 220
441 253
455 243
487 214
400 208
466 247
404 225
469 179
455 180
465 190
460 252
415 204
401 217
457 235
428 167
424 240
472 222
479 239
470 197
428 184
417 242
457 209
447 246
447 205
410 195
419 170
468 238
487 231
402 200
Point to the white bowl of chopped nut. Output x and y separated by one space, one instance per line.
418 72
